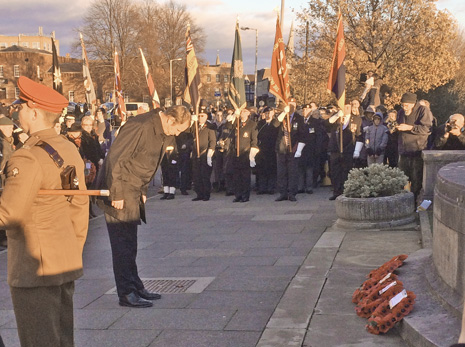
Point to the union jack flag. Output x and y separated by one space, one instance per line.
119 90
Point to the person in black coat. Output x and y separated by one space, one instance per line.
202 161
342 163
239 165
450 135
127 170
310 153
184 147
287 157
169 172
266 157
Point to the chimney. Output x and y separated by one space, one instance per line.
41 31
67 56
53 33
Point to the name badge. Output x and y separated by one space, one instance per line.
294 126
245 134
311 130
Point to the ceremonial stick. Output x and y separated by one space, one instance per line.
102 192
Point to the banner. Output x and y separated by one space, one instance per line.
148 77
236 92
279 80
91 98
337 77
57 82
119 90
191 93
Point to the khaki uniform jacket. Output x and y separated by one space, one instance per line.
46 233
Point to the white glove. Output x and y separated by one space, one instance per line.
237 112
298 152
100 162
231 118
358 148
209 157
194 118
252 154
173 162
336 116
281 116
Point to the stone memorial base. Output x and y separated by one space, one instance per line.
375 213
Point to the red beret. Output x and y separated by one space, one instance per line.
40 96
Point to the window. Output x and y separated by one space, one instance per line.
36 45
217 78
226 79
108 96
16 93
3 93
25 44
16 70
3 45
71 95
209 78
1 71
126 97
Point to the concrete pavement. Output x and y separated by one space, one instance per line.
259 273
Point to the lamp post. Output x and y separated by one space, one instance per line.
256 55
171 78
306 58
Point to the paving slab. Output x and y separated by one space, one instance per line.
206 338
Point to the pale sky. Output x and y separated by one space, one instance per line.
217 17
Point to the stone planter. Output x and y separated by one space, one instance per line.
375 213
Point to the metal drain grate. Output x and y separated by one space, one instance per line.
174 285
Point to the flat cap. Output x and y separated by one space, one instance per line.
409 98
39 96
6 121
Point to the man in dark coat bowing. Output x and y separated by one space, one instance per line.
129 167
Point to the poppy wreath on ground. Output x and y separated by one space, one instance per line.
378 295
388 267
368 285
384 317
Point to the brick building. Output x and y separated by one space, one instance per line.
35 41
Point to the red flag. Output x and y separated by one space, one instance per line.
148 77
279 81
119 90
337 78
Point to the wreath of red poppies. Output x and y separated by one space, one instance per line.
382 297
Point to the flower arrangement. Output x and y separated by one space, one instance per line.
373 181
382 297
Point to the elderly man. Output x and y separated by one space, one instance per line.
450 135
127 171
46 234
414 126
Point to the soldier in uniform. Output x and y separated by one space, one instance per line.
266 157
46 233
202 161
288 153
239 165
184 147
127 171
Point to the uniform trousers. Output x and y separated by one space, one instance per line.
241 176
44 315
340 165
202 174
123 241
412 166
266 171
306 163
287 174
184 166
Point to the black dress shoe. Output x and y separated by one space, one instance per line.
237 200
292 198
229 194
134 300
164 197
183 192
334 197
144 294
197 199
309 191
206 199
170 197
261 192
281 198
301 191
244 199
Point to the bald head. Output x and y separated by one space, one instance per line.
457 119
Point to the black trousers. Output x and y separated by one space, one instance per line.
412 166
287 174
202 174
340 165
241 176
44 315
184 166
123 241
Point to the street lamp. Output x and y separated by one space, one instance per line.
171 78
256 55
